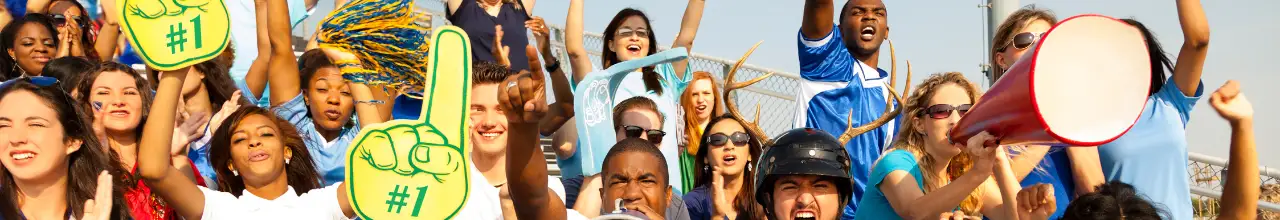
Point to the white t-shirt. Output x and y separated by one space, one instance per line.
319 203
484 201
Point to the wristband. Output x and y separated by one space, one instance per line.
371 102
553 66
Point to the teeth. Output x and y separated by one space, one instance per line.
489 134
804 215
868 29
23 156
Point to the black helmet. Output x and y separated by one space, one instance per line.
802 151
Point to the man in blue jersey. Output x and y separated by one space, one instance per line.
838 64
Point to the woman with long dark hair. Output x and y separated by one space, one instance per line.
53 158
260 158
630 36
1152 156
726 184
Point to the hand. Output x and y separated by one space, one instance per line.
99 129
524 95
64 42
540 32
99 208
719 199
1231 104
227 108
1036 202
500 51
186 129
647 211
982 149
73 33
956 215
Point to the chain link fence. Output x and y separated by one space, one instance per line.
775 97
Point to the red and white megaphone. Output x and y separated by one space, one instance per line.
1084 84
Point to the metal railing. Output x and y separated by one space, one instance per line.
777 112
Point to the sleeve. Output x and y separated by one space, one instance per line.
298 12
217 203
324 200
1183 103
826 59
695 203
248 94
295 111
453 16
893 161
556 186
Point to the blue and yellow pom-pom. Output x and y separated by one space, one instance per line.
385 36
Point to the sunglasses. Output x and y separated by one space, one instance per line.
739 139
61 20
943 111
1025 39
653 135
628 32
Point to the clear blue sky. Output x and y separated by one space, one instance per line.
939 36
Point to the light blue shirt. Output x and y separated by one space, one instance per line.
330 157
1152 156
874 205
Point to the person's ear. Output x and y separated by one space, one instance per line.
73 146
1000 61
609 45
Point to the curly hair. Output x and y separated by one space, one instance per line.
913 141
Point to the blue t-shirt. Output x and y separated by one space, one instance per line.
874 205
479 27
698 202
835 84
330 157
1152 156
1055 170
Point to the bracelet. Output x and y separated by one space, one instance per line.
371 102
553 66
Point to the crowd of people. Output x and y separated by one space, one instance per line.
262 133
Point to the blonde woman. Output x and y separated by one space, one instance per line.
924 174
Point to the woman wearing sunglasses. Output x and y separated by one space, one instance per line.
1069 170
76 31
924 174
726 185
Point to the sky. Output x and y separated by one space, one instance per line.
942 36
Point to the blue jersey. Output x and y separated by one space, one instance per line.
834 85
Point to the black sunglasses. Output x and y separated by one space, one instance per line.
943 111
653 135
739 139
61 20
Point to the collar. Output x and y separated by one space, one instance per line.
253 202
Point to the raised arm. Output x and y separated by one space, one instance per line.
688 31
1086 169
1240 195
154 150
1195 45
578 57
283 81
1027 160
526 167
528 6
106 45
256 78
818 18
560 112
453 5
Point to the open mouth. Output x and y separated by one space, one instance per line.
805 215
868 33
22 155
633 48
258 156
119 113
729 160
702 108
490 135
